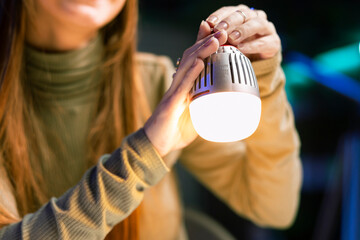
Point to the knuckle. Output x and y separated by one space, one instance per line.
252 27
277 41
262 14
272 27
252 14
258 24
278 38
243 6
224 9
262 21
272 45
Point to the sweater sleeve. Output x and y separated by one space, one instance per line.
260 177
106 195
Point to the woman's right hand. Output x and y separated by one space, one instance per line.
169 127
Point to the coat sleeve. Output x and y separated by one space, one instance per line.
106 195
260 177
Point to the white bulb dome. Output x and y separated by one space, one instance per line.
225 116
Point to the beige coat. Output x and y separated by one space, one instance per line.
259 178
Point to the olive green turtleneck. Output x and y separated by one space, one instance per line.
259 178
88 204
65 88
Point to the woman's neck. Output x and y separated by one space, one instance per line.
55 36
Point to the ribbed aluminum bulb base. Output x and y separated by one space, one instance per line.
225 103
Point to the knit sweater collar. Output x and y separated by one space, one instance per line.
70 77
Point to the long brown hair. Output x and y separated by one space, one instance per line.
21 140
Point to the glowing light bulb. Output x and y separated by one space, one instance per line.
225 103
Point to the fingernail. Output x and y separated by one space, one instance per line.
208 42
234 35
222 25
218 34
211 19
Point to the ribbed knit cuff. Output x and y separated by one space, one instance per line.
269 74
266 66
142 156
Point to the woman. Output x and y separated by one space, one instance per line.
73 88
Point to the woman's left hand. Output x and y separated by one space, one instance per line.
169 127
248 29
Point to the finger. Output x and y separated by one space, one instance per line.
188 81
178 93
218 15
266 46
221 36
236 18
204 50
255 26
197 51
204 30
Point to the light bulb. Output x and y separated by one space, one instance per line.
225 104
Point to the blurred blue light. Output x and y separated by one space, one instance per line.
344 59
322 74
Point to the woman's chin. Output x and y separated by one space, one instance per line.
88 15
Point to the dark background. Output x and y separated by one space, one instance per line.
326 106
